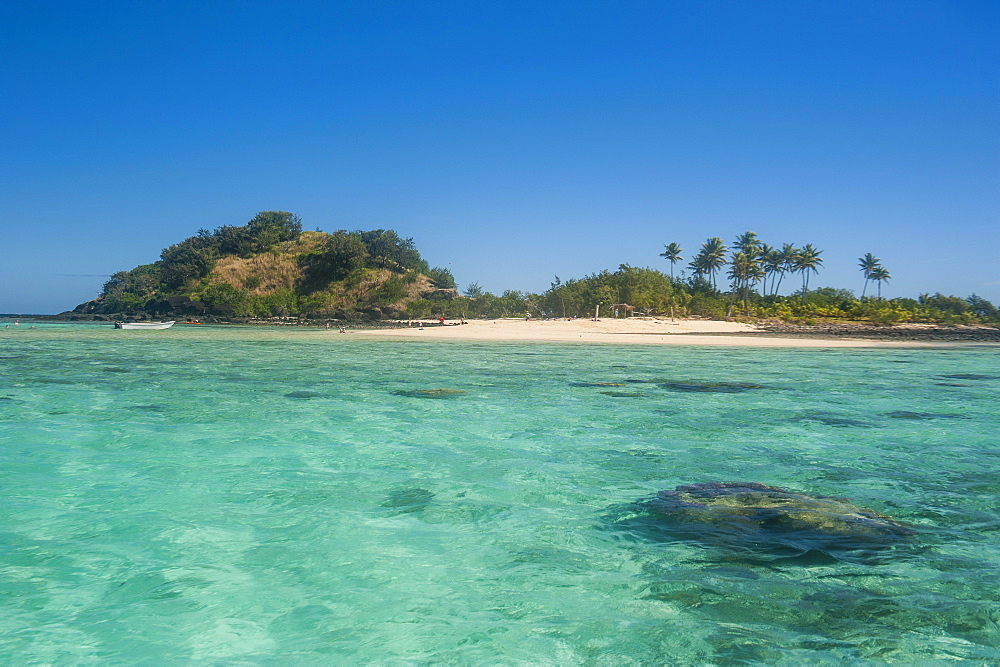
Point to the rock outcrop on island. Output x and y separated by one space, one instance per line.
270 268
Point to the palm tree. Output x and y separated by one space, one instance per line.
868 263
880 274
773 265
788 254
747 242
672 252
712 257
807 259
698 265
745 270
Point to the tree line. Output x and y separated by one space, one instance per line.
384 273
755 272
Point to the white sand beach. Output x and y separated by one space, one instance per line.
645 331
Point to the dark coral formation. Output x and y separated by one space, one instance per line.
905 414
750 517
431 393
773 508
303 394
407 501
711 387
702 386
830 419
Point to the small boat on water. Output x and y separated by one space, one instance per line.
144 325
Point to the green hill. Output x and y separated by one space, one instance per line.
271 268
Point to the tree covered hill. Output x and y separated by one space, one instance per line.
271 268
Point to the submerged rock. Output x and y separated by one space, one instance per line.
302 394
407 501
716 387
430 393
763 519
830 419
772 507
904 414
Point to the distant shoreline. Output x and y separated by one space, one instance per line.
638 330
696 332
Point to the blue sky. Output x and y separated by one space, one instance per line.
514 141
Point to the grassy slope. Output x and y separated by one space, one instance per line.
281 268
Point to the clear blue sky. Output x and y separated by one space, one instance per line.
514 141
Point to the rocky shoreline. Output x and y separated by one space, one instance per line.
899 332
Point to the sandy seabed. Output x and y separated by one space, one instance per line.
643 331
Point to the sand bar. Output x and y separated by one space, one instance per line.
632 331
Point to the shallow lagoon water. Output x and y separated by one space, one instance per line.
238 494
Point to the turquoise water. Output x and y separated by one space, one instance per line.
235 494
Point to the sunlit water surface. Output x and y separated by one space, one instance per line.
235 494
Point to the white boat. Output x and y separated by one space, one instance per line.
144 325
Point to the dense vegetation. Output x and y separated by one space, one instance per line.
755 271
271 268
651 292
